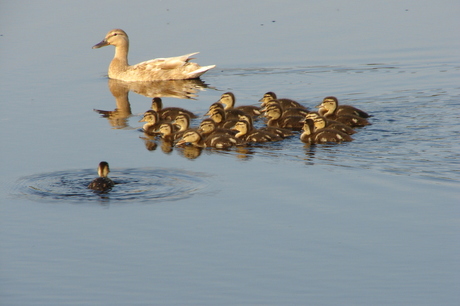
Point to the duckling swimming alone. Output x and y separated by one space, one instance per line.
172 68
102 183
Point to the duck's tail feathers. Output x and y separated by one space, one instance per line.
196 73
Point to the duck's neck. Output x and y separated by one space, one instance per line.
120 60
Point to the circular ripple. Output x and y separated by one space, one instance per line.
131 185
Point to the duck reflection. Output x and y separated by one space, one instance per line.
118 118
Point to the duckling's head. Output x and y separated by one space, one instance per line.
242 127
214 106
329 104
273 112
192 137
312 115
150 116
183 121
308 126
227 99
114 37
270 103
247 118
157 104
103 169
218 115
165 129
207 126
267 97
319 123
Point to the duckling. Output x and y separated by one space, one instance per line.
152 122
166 132
102 183
280 132
209 128
220 118
275 119
331 106
172 68
250 135
197 140
290 111
228 99
312 136
169 113
285 103
182 121
321 122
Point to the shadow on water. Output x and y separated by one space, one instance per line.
131 185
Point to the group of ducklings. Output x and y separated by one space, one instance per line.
228 125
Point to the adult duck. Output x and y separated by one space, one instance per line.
171 68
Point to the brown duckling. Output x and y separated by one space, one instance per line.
312 136
250 135
182 121
220 118
285 103
219 141
169 113
275 119
283 133
166 131
321 122
228 100
332 104
208 127
232 114
329 109
102 183
290 111
152 122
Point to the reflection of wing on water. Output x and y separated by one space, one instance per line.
182 89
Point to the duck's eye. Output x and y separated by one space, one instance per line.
115 34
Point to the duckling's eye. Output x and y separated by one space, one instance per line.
115 34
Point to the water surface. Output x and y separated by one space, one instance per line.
371 222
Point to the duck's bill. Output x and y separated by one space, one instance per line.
101 44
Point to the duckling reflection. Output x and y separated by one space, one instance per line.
102 183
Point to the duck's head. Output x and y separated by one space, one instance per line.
165 129
319 123
214 106
192 137
308 126
227 99
247 118
329 104
183 121
273 112
218 115
103 169
270 103
207 126
157 104
150 116
242 127
268 96
115 37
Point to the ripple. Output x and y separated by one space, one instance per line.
131 185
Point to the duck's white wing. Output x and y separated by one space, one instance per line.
165 63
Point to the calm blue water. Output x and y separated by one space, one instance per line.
371 222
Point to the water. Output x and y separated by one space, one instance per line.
373 221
